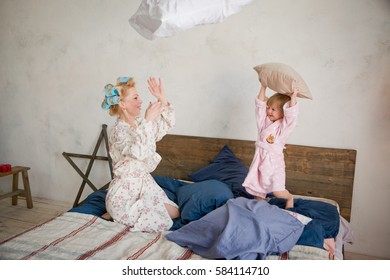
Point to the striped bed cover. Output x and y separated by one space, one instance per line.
75 236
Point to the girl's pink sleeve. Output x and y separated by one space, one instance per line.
261 113
290 120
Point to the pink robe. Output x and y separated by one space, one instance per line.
267 172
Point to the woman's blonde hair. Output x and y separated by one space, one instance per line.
122 84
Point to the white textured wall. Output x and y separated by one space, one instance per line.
56 56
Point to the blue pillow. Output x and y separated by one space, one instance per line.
198 199
194 200
169 186
227 168
312 235
240 229
94 204
324 214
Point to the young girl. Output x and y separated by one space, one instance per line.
276 118
134 198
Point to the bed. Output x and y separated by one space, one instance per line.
203 175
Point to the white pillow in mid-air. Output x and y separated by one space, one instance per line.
165 18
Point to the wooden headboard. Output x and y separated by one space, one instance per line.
310 171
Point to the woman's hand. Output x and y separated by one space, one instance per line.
156 90
153 111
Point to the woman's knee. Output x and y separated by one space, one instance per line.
172 211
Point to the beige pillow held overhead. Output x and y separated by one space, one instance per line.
282 78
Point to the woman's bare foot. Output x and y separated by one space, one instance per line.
107 216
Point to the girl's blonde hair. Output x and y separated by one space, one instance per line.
278 99
121 86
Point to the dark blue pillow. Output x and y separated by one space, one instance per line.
312 235
94 204
325 223
324 214
169 186
198 199
227 168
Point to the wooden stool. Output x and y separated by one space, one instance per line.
15 185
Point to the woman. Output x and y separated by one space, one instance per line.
134 198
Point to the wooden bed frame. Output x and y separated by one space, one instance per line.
310 171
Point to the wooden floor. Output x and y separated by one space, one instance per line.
18 218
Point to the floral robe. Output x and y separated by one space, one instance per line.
134 198
267 172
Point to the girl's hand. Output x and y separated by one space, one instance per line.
153 111
294 95
156 90
261 94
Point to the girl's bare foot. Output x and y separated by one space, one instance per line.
290 203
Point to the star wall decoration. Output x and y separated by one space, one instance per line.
92 158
